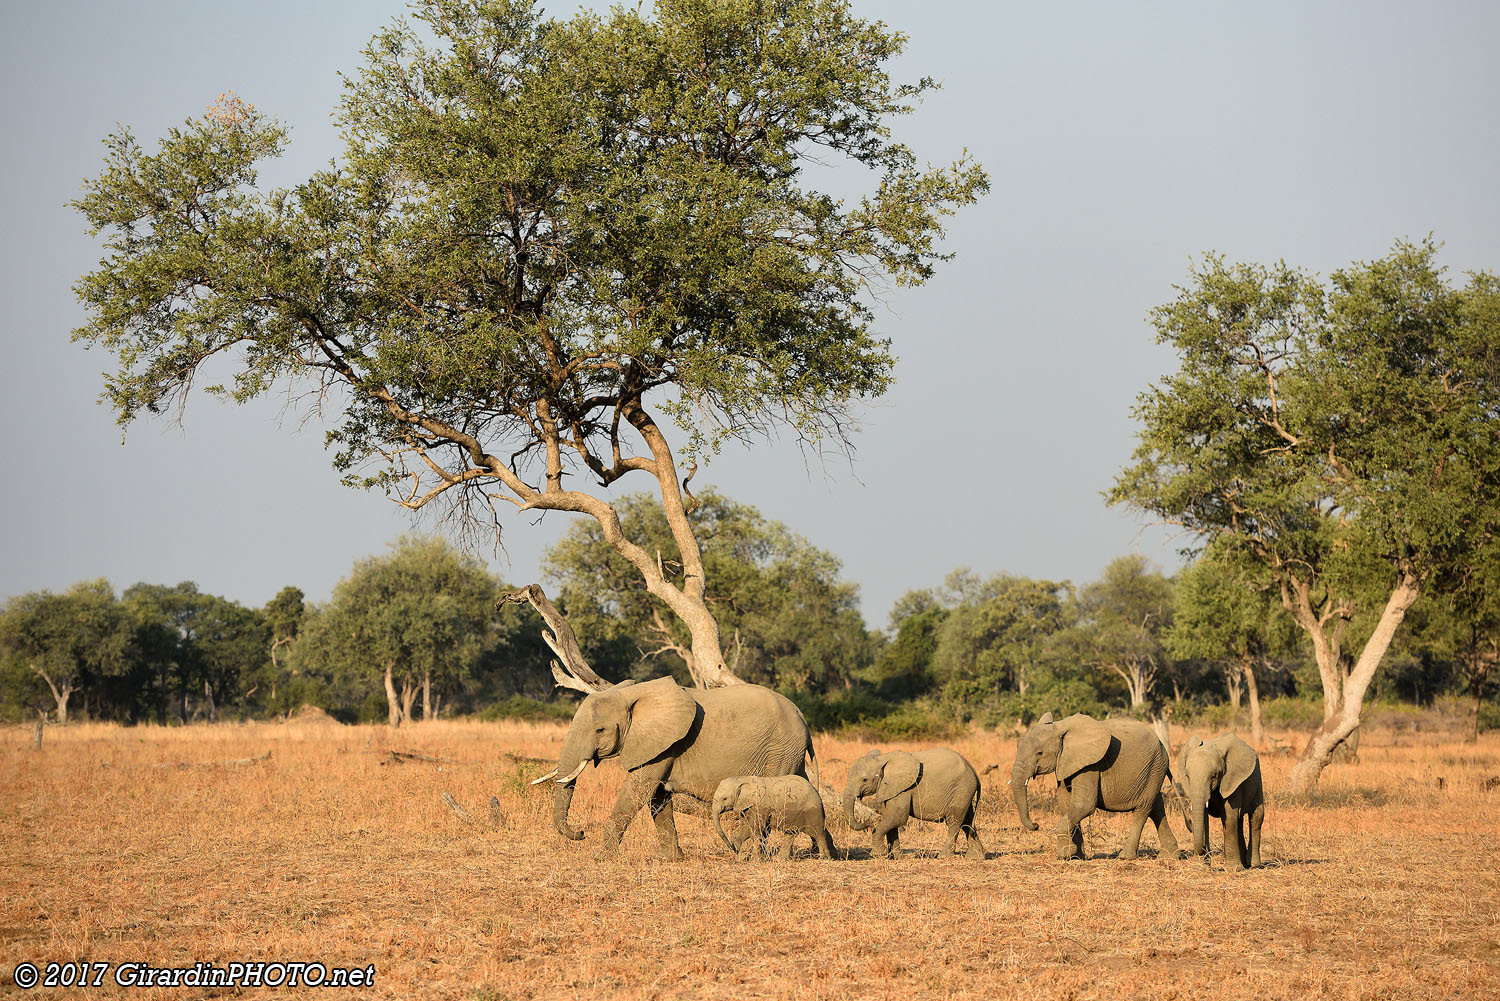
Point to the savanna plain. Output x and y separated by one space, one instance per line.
177 845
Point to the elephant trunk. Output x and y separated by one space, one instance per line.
1019 776
855 824
719 809
569 764
1198 811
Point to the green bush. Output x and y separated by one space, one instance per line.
531 710
860 713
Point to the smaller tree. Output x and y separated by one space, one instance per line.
903 666
415 621
1223 614
64 639
1123 617
996 641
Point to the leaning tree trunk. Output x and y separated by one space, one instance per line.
426 695
1338 724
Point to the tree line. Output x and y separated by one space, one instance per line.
416 633
559 253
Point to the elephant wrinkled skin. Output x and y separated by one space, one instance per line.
785 805
1222 777
1115 765
692 738
936 785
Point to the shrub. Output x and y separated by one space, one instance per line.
533 710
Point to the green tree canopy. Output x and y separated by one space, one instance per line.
1340 434
64 640
544 236
998 640
1122 619
196 651
416 621
788 618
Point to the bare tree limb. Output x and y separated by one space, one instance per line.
573 671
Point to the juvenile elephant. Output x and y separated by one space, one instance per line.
784 804
936 785
1115 765
691 738
1222 777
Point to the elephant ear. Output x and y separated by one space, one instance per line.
661 714
899 773
1085 741
1240 762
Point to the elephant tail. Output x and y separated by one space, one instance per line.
812 763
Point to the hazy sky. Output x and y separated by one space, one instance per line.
1122 140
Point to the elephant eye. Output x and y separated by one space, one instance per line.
600 729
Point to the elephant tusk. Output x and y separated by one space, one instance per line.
574 774
542 778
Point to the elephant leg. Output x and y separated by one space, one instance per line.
1164 836
1077 800
975 847
888 829
640 787
666 825
822 843
1132 847
1233 836
954 825
1256 816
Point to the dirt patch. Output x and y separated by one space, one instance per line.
312 714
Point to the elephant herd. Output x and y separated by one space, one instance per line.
746 750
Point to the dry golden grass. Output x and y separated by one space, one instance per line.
1383 885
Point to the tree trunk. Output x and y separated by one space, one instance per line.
208 695
63 691
426 696
1234 680
393 707
408 698
1341 722
1478 664
1256 733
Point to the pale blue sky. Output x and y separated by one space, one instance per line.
1123 139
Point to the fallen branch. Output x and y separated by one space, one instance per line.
574 671
497 818
397 757
184 765
522 759
462 814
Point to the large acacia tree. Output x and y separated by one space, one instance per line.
1340 435
548 244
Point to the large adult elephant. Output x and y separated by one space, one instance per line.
1115 765
690 738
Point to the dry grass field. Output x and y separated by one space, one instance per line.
1384 885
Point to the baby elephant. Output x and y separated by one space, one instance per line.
1222 777
786 804
936 784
